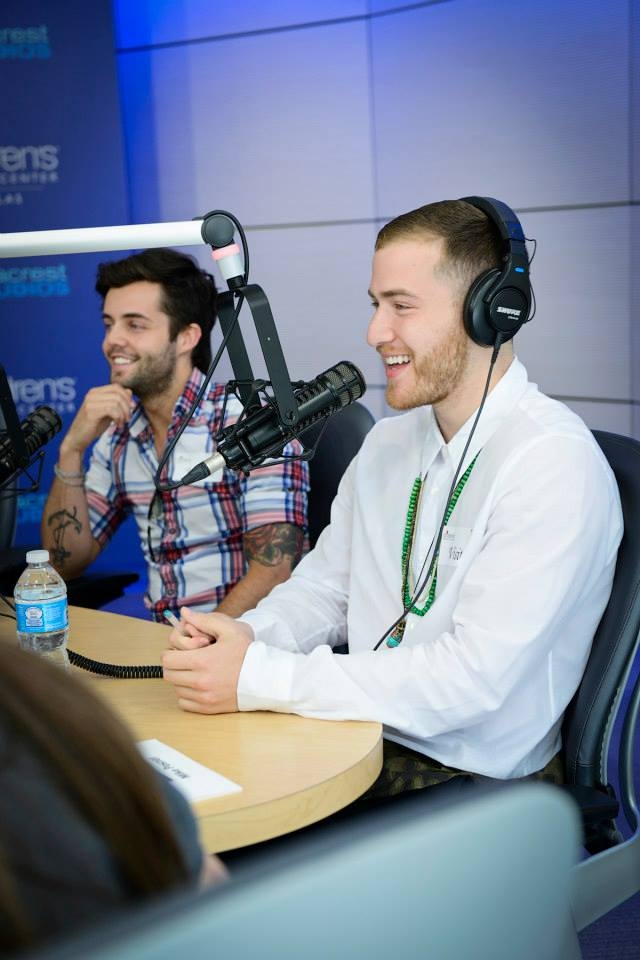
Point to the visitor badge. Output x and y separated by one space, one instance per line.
453 545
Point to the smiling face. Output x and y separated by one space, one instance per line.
137 345
417 323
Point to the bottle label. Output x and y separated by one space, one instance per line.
43 616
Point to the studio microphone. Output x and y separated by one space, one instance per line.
218 230
38 428
247 443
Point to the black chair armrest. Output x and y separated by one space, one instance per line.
595 805
93 590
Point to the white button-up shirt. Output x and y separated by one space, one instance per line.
482 680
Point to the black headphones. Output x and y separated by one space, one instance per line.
499 301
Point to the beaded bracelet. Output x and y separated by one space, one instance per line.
72 479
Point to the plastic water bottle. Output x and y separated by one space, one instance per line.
41 609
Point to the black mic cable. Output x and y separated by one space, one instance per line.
155 506
165 487
248 442
422 583
217 231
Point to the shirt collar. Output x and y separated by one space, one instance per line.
137 424
500 401
188 395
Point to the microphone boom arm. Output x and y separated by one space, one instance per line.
281 385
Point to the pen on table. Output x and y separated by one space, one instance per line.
173 620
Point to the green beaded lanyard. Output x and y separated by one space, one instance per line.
407 544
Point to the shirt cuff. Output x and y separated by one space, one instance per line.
268 629
266 678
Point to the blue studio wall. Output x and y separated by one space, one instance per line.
61 165
314 121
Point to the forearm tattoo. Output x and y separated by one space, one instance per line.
272 544
63 519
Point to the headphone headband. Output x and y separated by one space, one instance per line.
499 300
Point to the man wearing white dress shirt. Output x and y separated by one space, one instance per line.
472 543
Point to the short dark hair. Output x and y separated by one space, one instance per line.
471 240
188 292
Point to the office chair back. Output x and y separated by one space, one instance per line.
609 676
339 442
608 697
488 879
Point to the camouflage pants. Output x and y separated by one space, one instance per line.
404 769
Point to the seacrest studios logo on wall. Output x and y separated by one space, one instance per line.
29 393
31 507
25 43
29 165
57 392
16 283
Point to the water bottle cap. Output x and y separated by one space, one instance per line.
38 556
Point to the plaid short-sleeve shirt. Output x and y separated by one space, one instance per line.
196 538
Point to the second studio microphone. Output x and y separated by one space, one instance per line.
37 429
249 442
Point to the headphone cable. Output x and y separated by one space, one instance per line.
433 556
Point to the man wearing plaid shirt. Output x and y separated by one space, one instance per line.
223 542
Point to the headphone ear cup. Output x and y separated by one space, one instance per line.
475 314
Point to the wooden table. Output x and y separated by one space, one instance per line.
293 771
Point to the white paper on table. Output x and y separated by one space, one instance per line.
196 781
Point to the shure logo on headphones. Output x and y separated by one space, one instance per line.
510 311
